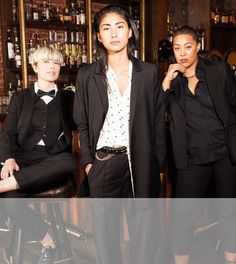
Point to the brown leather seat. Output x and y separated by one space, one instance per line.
65 190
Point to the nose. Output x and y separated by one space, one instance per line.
182 52
52 64
113 33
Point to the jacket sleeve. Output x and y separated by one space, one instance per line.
81 119
160 130
231 88
8 138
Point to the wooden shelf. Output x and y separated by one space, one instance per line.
120 2
56 25
223 26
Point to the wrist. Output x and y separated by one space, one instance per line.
166 84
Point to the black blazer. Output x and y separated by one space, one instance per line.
17 123
146 127
222 89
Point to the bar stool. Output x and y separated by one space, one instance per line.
55 221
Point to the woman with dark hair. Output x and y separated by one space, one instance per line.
201 94
119 112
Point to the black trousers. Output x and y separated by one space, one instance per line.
111 190
143 221
110 178
192 185
38 170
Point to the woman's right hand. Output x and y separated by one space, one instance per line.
8 168
171 74
88 167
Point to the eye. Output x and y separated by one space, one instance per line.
121 26
57 63
45 61
188 47
176 48
105 28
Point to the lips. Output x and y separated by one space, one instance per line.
183 61
115 42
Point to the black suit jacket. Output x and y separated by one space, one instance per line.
222 89
19 116
146 127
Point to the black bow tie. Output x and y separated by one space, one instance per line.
41 93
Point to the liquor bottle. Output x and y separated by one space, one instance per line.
201 37
28 10
82 16
17 53
10 91
10 50
84 54
67 15
136 17
38 42
57 14
50 39
44 12
217 16
14 11
78 58
31 48
231 16
19 86
50 11
72 50
74 13
66 49
35 12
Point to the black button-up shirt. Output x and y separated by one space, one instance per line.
204 131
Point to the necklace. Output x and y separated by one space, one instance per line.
191 76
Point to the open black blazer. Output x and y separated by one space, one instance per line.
146 127
17 123
222 89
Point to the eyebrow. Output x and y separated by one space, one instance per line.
117 23
189 42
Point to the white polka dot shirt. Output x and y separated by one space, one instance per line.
115 130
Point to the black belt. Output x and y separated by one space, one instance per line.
114 151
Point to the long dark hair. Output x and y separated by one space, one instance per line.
133 40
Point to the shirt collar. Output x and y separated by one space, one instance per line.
36 88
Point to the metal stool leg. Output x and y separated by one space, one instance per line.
64 235
19 250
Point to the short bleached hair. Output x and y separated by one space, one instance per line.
47 53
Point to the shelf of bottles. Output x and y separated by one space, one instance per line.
63 24
223 17
46 23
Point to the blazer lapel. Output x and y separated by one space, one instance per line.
178 91
214 86
135 83
26 112
101 86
